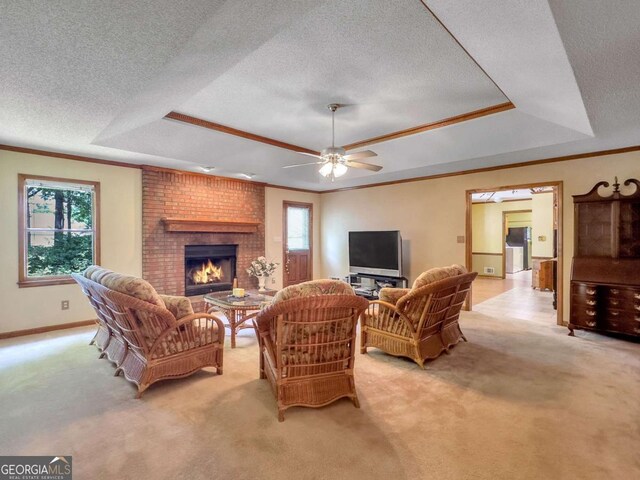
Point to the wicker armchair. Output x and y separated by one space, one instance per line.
138 330
307 342
421 322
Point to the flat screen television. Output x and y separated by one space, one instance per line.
376 253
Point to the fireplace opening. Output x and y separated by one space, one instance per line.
209 268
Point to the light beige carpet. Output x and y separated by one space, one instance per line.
520 400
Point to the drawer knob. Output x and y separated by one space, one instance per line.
591 324
636 295
614 313
591 291
591 302
615 291
591 313
614 301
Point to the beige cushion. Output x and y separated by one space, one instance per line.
314 288
392 295
179 306
172 344
133 286
437 274
90 270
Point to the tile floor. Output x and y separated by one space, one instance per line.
514 298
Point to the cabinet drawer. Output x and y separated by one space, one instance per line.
630 294
633 328
622 326
621 321
615 320
618 303
585 300
584 289
583 316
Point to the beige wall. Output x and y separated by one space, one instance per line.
481 262
273 228
487 223
121 227
431 213
542 225
518 219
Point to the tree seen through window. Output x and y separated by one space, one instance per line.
59 228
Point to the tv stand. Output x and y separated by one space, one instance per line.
368 286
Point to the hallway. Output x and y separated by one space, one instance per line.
513 297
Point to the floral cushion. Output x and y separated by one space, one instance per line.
179 306
437 274
96 273
392 295
90 270
314 288
309 355
172 344
133 286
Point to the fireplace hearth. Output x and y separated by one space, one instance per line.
209 268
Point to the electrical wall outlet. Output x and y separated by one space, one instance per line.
460 239
273 280
64 305
490 270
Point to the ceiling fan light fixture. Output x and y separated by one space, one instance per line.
325 170
339 169
333 170
335 160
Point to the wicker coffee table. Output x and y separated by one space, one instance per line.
237 310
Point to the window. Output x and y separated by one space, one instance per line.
297 227
58 225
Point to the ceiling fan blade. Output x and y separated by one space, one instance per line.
302 164
309 154
366 166
359 155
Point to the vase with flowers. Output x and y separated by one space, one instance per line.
262 269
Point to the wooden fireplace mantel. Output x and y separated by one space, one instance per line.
208 226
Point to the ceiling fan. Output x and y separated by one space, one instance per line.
334 160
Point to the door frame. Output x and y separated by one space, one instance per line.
285 205
559 215
505 214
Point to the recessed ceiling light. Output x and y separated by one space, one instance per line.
206 169
247 175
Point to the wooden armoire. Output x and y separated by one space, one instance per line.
605 275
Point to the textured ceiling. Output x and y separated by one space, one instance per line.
96 78
391 63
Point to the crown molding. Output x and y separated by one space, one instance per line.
199 122
530 163
464 117
67 156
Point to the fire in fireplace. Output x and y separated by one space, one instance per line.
207 272
209 268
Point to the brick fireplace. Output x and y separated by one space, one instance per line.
199 206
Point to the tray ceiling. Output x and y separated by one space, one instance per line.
391 63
